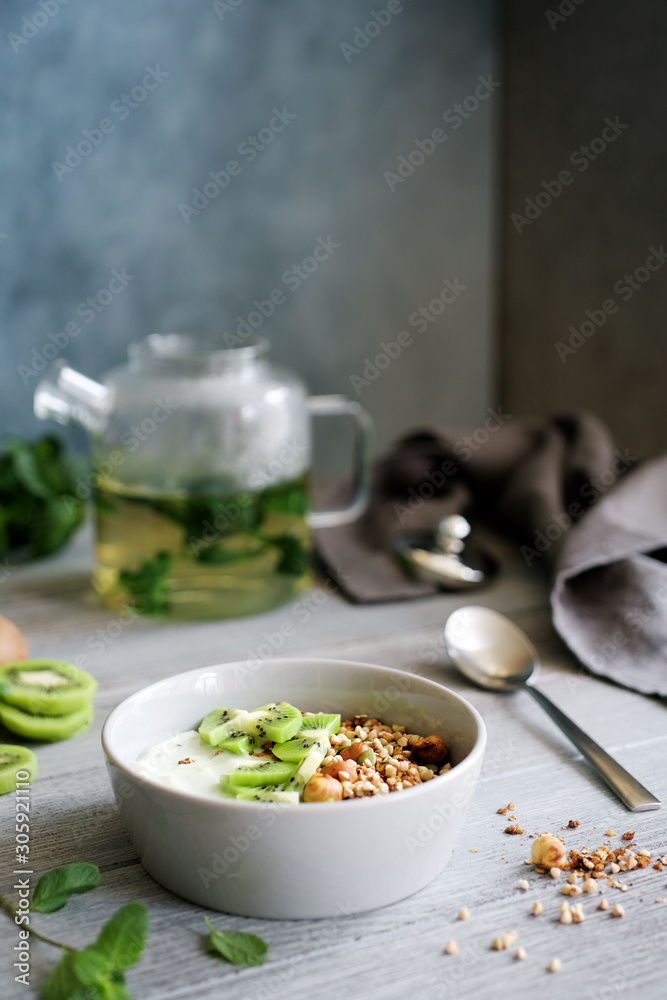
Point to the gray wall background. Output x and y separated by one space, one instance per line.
563 80
321 176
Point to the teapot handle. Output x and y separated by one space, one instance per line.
340 406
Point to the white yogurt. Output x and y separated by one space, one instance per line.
166 763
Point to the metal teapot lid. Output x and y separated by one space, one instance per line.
443 556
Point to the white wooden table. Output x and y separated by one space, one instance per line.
392 953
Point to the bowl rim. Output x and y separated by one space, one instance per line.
372 801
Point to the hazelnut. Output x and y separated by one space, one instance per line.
344 770
429 750
548 851
322 788
354 751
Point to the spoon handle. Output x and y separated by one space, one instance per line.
629 790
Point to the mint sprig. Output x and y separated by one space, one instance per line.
98 969
97 972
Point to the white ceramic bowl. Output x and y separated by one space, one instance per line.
305 860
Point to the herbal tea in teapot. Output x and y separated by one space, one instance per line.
201 554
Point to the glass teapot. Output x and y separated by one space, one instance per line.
201 456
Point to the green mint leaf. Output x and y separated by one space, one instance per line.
106 989
115 991
294 556
122 939
63 982
27 471
37 483
91 966
55 887
237 947
148 584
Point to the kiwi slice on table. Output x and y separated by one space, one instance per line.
273 722
218 724
313 729
306 769
46 687
13 759
48 728
269 772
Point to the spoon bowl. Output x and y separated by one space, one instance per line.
489 649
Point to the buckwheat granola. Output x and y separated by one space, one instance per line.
370 757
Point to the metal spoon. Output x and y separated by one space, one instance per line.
493 652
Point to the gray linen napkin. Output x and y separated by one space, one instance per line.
575 504
609 599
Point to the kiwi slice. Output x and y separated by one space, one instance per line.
273 722
13 759
238 741
269 772
306 769
329 723
218 724
267 793
48 728
313 729
46 687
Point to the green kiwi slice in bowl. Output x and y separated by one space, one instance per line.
273 722
15 759
270 772
219 724
47 728
239 742
46 687
313 729
267 793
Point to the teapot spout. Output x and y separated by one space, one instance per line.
68 397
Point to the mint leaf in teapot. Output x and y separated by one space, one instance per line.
148 583
294 556
215 555
55 887
236 947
